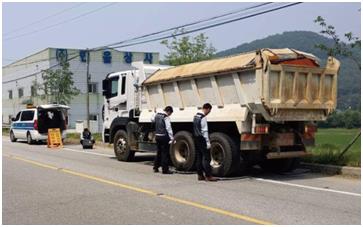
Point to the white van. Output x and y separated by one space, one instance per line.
33 123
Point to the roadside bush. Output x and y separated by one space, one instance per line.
342 119
330 154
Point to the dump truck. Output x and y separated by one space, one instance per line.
266 104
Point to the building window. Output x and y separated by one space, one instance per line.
20 92
93 117
10 94
33 91
92 88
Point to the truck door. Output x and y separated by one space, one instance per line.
116 97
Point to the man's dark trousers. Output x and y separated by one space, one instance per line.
203 157
162 155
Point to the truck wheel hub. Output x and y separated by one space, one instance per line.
216 152
122 145
181 150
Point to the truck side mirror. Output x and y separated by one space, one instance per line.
105 87
13 119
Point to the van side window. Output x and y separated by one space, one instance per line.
114 86
123 86
27 115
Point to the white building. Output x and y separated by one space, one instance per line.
18 79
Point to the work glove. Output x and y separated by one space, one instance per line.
208 145
172 141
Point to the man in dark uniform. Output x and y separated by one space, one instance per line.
164 137
202 143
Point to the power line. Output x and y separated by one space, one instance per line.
7 59
181 32
45 18
209 26
34 74
192 23
190 31
177 27
60 23
32 62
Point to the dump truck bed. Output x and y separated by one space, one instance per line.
280 84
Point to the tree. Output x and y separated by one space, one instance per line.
57 85
187 50
339 47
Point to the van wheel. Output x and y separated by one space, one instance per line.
12 137
182 153
225 155
121 147
280 165
29 139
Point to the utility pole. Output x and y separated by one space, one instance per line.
87 88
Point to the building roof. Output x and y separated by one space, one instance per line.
224 65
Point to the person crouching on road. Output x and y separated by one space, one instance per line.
164 137
202 143
86 135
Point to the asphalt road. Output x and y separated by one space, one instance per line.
71 186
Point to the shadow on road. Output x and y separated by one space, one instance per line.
255 171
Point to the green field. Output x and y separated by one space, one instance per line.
330 142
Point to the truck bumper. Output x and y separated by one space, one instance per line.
288 154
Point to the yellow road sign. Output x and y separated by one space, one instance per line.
54 138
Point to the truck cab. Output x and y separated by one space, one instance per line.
123 96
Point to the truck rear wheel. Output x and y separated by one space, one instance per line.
182 153
225 155
280 165
121 147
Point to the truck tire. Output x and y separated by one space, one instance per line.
280 165
121 147
12 137
182 153
225 155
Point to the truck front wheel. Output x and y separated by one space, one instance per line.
121 147
225 155
182 153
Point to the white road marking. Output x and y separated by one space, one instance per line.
307 187
88 152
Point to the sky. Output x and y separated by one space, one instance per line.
121 21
